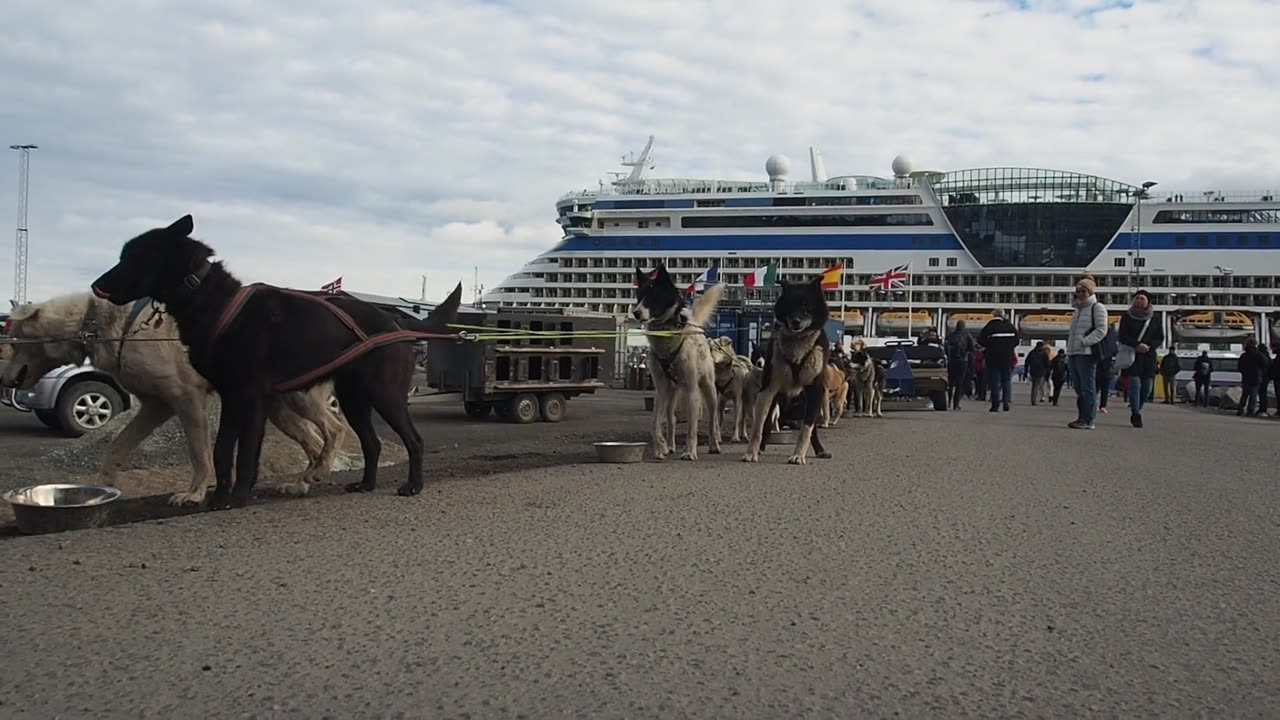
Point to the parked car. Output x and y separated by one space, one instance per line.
72 399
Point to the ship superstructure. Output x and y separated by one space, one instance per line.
973 240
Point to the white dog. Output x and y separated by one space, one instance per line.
680 362
141 350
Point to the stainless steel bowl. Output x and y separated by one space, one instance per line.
620 452
57 507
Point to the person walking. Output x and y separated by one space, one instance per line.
1202 376
958 347
1263 402
999 339
1275 381
1038 368
1058 372
1169 369
1084 338
1140 336
1250 377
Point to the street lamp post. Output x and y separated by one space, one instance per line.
20 236
1135 270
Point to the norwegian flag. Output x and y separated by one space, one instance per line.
890 280
334 287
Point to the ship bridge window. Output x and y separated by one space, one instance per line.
780 221
933 262
951 262
1118 262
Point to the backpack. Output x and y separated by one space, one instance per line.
1107 348
957 349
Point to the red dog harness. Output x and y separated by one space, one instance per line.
364 342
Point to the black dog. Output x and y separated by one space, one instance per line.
250 342
795 363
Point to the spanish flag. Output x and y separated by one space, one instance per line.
831 276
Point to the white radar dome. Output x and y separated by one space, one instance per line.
902 166
778 166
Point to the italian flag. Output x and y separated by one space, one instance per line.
761 277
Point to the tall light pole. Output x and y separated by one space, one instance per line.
20 237
1135 269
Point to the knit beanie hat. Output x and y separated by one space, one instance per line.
1087 284
1144 294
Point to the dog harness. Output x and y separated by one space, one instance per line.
796 367
364 341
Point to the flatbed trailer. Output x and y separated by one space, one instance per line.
530 375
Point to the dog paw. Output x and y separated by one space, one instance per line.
797 460
825 454
689 455
220 501
409 489
357 487
751 457
187 498
295 489
714 451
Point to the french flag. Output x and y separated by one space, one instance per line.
710 276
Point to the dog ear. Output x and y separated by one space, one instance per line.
182 227
660 272
816 282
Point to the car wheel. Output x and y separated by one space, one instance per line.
86 406
939 399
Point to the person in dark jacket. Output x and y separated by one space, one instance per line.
1275 381
1169 369
1142 331
1038 368
1059 370
1263 402
1250 377
959 347
999 341
1203 374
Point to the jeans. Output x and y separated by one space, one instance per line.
1057 390
1202 392
1170 389
1000 380
957 374
1263 400
1139 391
1084 378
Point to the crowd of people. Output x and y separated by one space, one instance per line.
1097 358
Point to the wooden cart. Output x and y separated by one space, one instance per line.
526 378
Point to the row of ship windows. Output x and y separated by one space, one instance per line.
780 201
1241 240
1217 216
767 221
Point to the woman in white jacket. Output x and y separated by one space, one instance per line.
1088 328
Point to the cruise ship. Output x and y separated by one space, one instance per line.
969 240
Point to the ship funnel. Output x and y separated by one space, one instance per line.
816 166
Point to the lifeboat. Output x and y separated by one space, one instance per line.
1046 325
852 318
895 321
1214 326
973 321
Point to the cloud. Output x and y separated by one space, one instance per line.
384 141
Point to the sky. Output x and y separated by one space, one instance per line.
381 141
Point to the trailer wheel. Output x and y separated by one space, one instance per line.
553 407
524 408
477 410
939 399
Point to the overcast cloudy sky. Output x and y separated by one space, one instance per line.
383 140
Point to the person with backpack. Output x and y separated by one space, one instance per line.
999 339
1202 375
1169 369
1139 335
959 346
1086 346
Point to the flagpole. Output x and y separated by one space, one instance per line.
910 313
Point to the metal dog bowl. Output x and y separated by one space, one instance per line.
57 507
620 452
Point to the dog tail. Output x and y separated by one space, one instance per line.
439 319
705 305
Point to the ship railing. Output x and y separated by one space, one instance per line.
1215 196
693 186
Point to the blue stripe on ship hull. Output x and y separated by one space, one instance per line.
756 243
1190 241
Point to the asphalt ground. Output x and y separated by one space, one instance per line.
957 564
